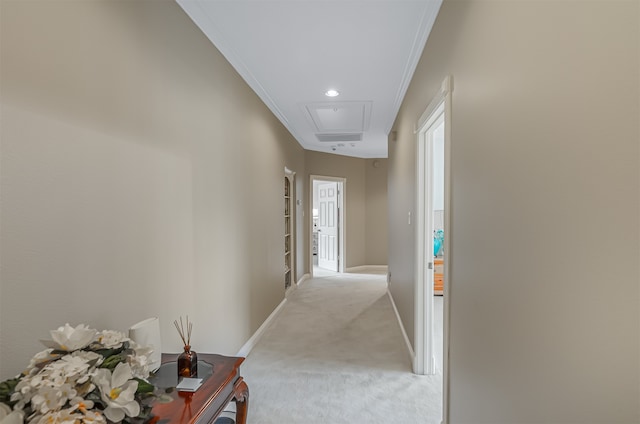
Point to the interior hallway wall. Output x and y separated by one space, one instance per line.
377 218
140 176
545 148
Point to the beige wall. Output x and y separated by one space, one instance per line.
140 177
544 299
377 217
366 196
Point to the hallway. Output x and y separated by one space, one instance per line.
336 354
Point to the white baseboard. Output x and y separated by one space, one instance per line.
290 290
304 278
293 287
404 333
363 269
244 350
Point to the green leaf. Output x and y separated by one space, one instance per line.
111 362
144 387
107 352
6 390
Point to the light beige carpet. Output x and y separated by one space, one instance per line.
335 354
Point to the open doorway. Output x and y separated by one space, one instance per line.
433 253
430 227
327 224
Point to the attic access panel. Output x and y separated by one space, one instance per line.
343 117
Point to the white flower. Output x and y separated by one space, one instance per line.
74 367
4 410
57 382
118 392
68 392
63 416
111 339
82 405
48 399
41 358
22 393
93 417
86 408
55 386
140 360
13 417
69 339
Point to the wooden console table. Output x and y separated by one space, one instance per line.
222 385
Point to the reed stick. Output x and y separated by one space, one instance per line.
185 336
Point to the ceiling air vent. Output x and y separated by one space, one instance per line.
334 137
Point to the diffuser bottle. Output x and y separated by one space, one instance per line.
188 363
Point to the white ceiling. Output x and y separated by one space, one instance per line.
291 52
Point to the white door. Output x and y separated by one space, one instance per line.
328 225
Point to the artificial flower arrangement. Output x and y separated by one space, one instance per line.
85 376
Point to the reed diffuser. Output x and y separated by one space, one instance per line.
188 360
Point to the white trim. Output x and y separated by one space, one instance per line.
342 213
290 290
302 279
250 344
445 89
404 333
196 11
424 347
448 229
441 104
426 24
363 269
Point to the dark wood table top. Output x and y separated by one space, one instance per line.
209 400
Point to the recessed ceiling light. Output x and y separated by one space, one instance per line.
331 93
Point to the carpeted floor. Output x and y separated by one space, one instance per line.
335 354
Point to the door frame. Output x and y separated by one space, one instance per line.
423 342
327 237
342 188
291 176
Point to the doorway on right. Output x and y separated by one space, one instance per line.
433 244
